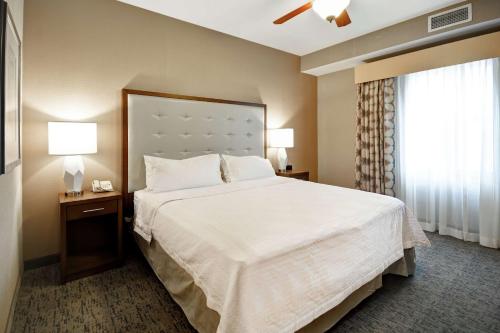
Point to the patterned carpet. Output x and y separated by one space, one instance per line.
456 289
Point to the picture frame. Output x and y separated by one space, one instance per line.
11 93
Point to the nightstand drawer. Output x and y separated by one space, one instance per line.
92 209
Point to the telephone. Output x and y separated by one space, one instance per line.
101 186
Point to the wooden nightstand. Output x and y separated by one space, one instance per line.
91 233
303 175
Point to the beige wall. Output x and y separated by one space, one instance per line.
11 258
336 128
79 54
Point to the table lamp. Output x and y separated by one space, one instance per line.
281 138
71 140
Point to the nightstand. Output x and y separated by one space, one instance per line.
91 233
303 175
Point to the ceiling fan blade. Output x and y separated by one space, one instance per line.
294 13
343 19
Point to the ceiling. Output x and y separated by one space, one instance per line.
306 33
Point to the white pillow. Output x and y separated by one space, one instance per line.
237 168
169 175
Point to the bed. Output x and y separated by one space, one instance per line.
266 255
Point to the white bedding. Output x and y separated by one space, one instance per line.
271 255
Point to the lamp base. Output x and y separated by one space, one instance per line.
73 175
282 159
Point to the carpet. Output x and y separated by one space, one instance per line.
456 288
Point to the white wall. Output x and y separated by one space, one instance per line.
11 258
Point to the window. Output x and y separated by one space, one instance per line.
448 122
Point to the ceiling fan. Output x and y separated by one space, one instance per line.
330 10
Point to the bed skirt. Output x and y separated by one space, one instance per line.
193 302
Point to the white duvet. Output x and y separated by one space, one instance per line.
271 255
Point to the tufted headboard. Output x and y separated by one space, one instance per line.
177 127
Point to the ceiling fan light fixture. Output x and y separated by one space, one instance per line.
328 8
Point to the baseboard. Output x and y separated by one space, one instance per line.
10 319
40 262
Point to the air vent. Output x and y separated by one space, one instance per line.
450 18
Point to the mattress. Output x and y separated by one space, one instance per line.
275 254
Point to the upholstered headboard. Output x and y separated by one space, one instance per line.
177 127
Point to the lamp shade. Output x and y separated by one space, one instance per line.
71 138
281 138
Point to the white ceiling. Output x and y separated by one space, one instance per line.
253 19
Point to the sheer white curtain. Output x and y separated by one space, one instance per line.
448 149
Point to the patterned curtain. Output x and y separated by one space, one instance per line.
375 137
